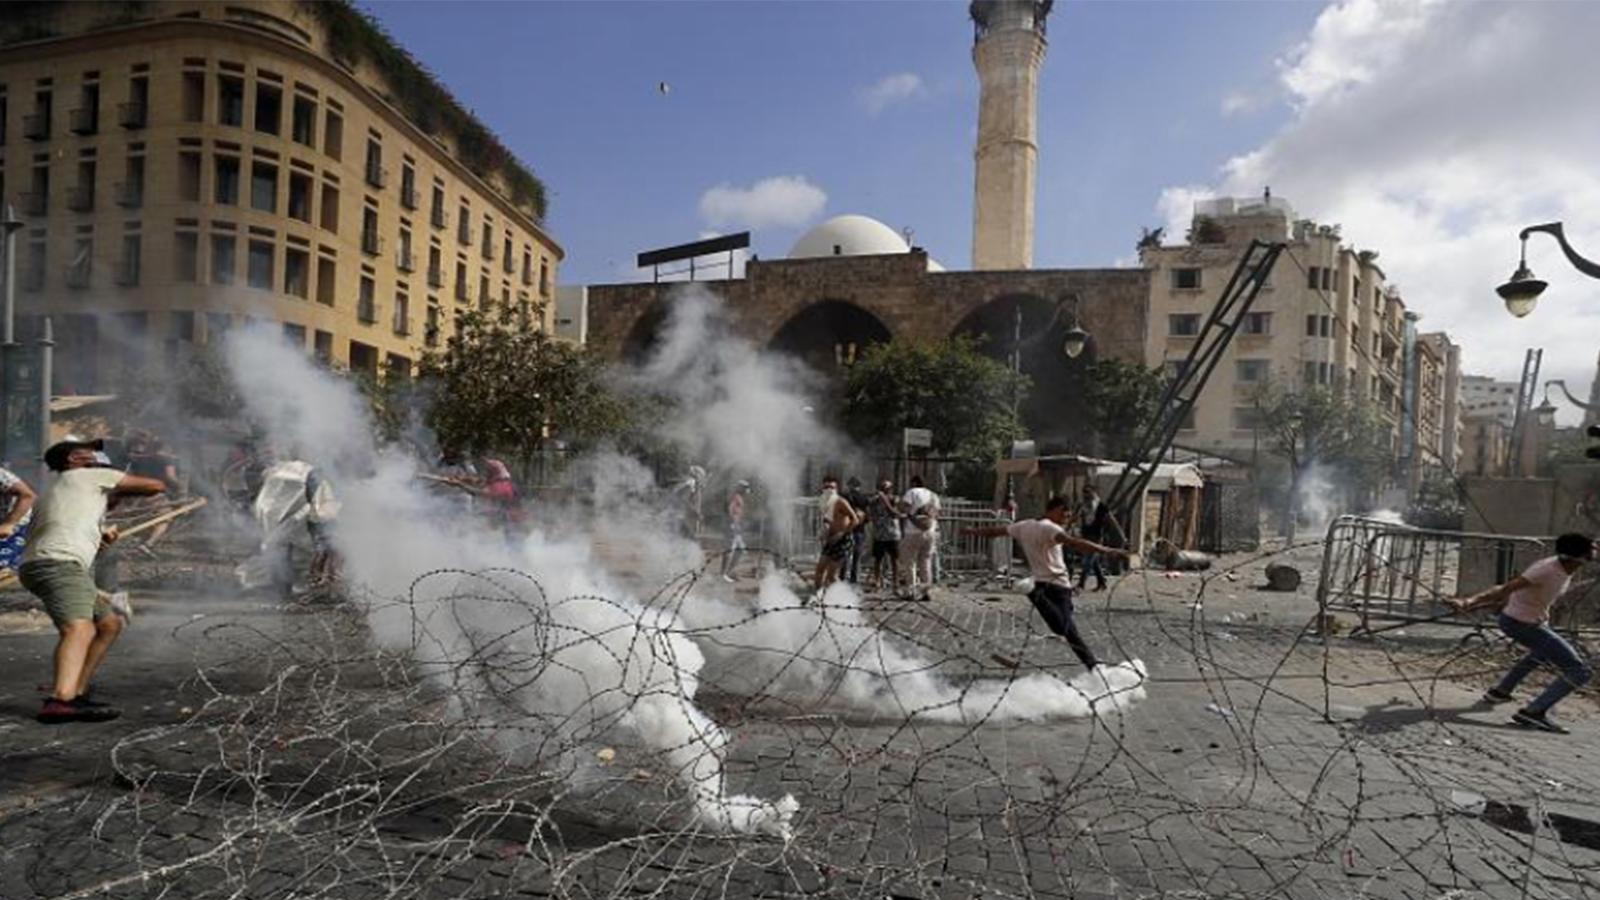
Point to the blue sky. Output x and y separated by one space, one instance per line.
1130 101
1405 121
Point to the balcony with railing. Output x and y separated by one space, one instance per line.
127 273
34 203
401 323
463 293
439 218
83 120
130 194
366 311
133 114
377 176
404 261
408 196
80 198
371 243
36 126
435 277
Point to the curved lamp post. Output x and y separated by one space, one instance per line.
1076 339
1521 292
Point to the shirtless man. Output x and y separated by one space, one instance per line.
839 518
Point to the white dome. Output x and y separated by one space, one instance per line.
849 236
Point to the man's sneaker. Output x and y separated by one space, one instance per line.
122 606
56 712
1530 719
1495 695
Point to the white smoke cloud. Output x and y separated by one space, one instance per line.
1434 132
783 201
890 90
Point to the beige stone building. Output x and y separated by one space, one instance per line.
1008 49
1438 405
1327 317
1485 445
183 167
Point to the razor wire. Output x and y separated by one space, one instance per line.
323 759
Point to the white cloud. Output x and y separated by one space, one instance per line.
1241 103
889 90
1433 132
780 201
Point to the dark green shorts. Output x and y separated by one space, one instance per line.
66 588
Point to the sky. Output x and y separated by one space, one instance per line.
1430 130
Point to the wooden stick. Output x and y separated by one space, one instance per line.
167 516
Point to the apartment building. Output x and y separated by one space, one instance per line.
1326 317
1484 396
1438 403
183 167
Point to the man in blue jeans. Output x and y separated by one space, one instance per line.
1525 603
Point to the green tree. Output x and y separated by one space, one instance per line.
1318 427
499 387
966 399
1122 398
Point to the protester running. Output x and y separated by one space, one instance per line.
1095 524
1525 603
839 519
67 534
1042 540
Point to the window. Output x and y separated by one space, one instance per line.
544 277
297 273
1183 325
1245 417
488 240
259 265
1175 369
366 306
1311 325
223 248
403 260
264 187
303 125
217 325
1327 326
128 265
1355 291
227 180
1251 370
1311 373
527 266
294 335
230 100
1186 279
333 135
485 299
327 280
81 196
36 266
194 96
189 176
37 126
2 117
508 255
437 213
370 244
1327 279
430 331
269 108
300 197
322 346
375 174
86 118
1187 422
1314 277
402 315
435 267
1257 323
186 257
37 201
130 193
408 186
462 293
464 226
330 209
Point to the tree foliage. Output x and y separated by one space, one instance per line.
1122 399
499 387
1325 428
966 399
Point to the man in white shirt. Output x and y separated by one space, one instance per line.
57 568
1525 603
920 534
1041 541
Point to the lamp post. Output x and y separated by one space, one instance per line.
1521 292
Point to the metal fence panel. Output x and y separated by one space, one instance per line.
955 552
1385 570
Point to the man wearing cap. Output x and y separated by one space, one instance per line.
57 569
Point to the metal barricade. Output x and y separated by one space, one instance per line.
1385 570
955 553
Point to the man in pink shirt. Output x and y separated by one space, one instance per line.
1525 603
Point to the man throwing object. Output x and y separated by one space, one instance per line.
58 565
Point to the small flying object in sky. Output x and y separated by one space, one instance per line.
663 88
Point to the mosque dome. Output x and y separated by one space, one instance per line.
849 236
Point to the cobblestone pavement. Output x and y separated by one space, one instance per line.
268 752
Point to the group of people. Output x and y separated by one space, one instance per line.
893 525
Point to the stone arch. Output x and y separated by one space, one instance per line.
829 334
1053 409
644 333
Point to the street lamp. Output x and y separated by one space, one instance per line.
1076 338
1521 292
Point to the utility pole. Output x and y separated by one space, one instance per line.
10 224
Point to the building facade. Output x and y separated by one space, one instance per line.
1439 398
1007 50
184 167
1484 396
1326 317
1485 445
